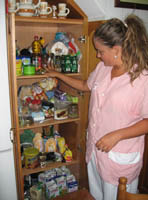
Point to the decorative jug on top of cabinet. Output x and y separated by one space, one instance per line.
27 8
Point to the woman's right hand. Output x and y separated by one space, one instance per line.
73 82
51 72
108 141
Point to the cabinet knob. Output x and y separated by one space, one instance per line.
82 39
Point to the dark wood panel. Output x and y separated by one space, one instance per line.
143 181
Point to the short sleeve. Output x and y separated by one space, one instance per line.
93 75
145 100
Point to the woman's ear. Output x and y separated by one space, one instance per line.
117 50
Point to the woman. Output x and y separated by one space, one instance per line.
118 109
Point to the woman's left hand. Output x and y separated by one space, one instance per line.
107 142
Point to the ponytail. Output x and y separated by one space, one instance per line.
135 47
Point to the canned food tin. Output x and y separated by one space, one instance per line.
31 157
18 66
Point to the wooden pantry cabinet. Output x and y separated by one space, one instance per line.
23 29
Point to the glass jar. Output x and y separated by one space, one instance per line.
73 110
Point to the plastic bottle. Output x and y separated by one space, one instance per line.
36 45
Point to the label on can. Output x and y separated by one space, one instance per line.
31 157
18 66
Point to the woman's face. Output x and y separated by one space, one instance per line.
105 53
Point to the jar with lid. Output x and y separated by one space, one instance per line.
36 61
44 60
73 110
57 63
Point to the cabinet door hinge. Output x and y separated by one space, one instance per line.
80 93
11 134
79 148
82 38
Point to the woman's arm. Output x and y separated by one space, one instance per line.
73 82
138 129
107 142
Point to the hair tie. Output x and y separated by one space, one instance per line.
125 24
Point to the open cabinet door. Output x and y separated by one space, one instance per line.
90 62
92 59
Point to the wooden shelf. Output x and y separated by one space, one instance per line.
49 166
44 76
21 20
49 122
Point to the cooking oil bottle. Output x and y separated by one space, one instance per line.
36 46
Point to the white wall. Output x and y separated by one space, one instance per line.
104 9
4 87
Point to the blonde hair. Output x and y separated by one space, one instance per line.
135 47
131 35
